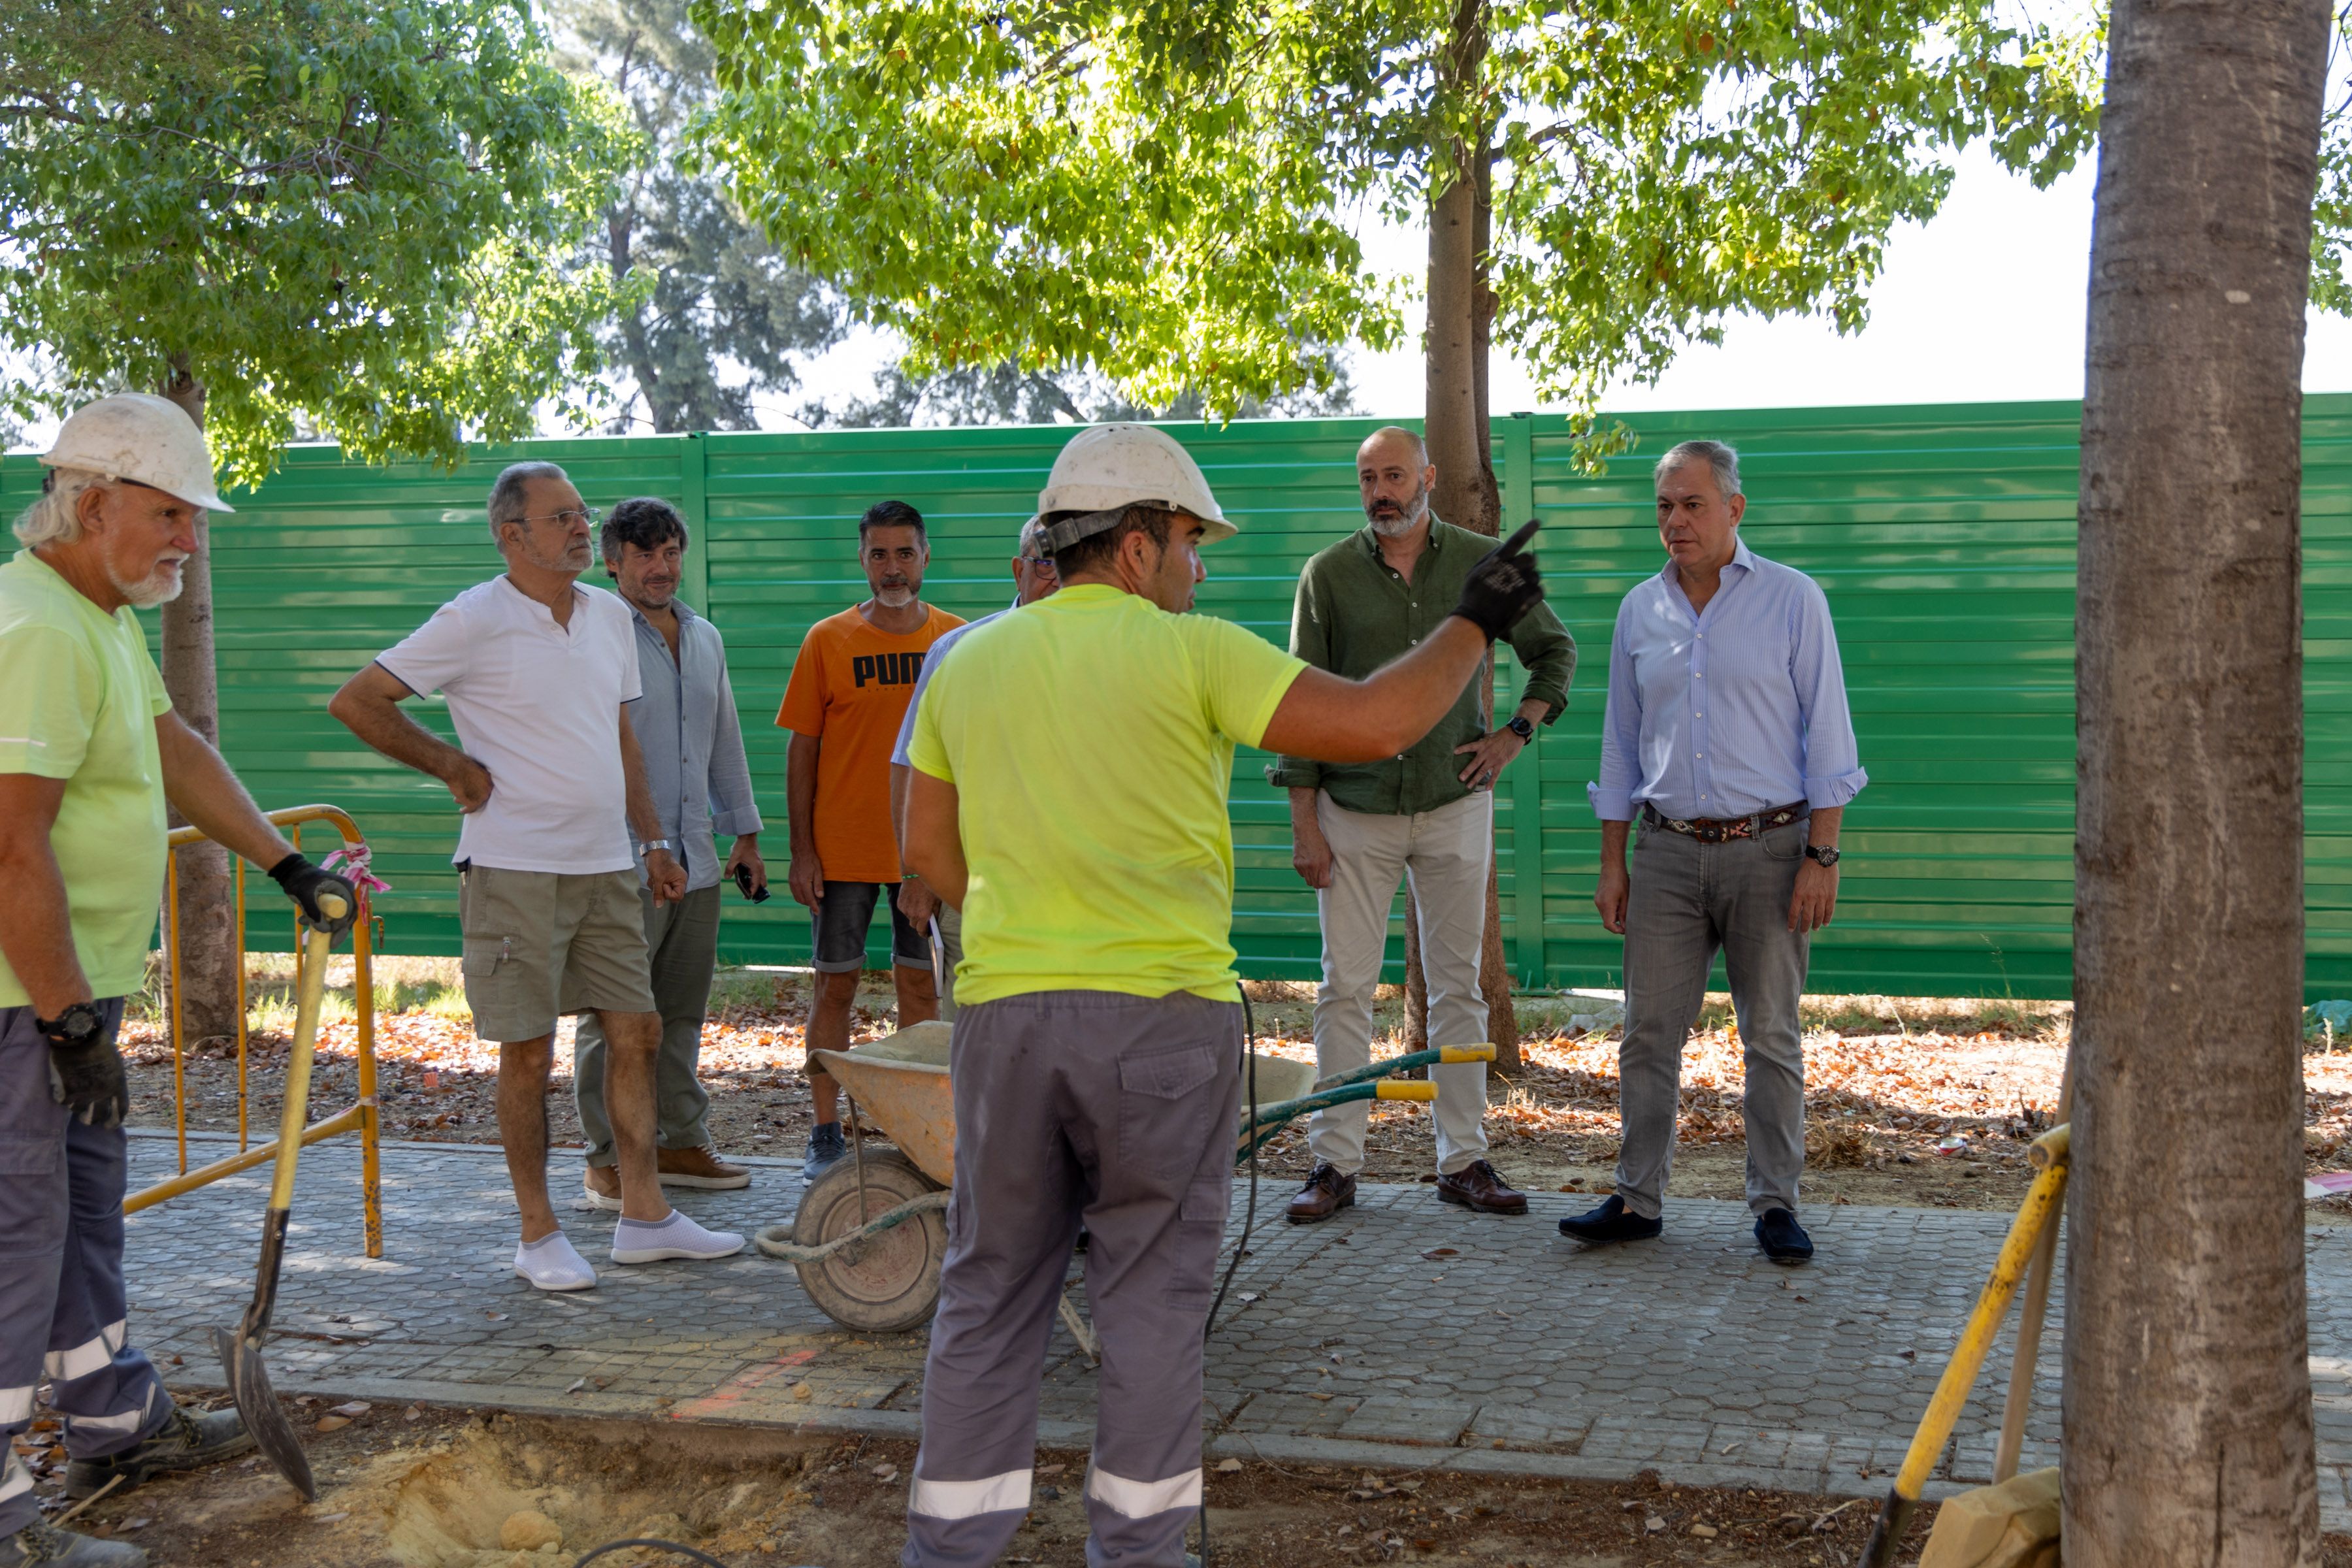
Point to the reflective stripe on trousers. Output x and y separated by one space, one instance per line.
61 1299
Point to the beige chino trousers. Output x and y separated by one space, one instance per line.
1443 855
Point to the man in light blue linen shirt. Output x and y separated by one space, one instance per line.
1728 736
1034 578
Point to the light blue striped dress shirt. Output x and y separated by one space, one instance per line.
1729 713
692 741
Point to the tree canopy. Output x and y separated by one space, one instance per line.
351 217
1175 191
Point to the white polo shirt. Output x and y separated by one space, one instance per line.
539 705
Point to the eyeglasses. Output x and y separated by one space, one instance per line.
581 517
1041 564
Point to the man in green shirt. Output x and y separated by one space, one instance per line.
1358 829
89 753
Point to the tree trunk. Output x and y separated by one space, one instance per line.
2188 1397
207 898
1457 425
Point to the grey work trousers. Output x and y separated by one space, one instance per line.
1119 1110
1689 900
62 1308
682 943
1443 855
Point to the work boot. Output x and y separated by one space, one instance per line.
1476 1186
1612 1221
1782 1238
46 1543
1327 1192
185 1442
827 1149
698 1168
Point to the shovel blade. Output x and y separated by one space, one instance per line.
256 1402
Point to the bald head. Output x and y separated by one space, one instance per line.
1393 475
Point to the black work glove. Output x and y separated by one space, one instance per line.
304 882
86 1074
1503 587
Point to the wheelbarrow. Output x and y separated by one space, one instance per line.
871 1233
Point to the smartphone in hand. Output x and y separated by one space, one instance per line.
743 880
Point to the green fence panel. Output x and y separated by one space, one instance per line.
1944 536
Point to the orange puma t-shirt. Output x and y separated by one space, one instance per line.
849 688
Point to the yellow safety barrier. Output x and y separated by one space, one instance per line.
360 1117
2043 1202
1405 1089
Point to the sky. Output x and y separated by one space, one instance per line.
1983 303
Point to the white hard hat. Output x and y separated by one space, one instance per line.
1108 467
139 436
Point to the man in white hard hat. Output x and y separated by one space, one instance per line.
1071 766
91 752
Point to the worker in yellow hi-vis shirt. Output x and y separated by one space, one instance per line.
1071 764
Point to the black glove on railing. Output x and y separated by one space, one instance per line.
1503 587
304 882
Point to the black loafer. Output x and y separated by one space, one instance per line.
1782 1238
1610 1222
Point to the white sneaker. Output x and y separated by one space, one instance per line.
553 1264
637 1241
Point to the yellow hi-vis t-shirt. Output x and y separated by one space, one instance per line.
79 704
1090 738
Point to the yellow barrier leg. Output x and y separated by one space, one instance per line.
2040 1209
371 1160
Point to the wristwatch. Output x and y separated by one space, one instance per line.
1821 853
1523 727
650 844
75 1027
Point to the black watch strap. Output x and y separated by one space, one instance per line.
1522 726
1824 854
79 1024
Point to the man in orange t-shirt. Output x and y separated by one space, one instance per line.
846 701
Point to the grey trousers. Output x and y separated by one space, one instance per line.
1443 855
1119 1110
1689 900
682 942
62 1312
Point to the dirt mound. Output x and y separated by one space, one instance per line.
514 1493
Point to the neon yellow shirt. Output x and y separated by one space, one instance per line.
1090 738
78 702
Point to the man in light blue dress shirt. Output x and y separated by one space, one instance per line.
692 741
1727 738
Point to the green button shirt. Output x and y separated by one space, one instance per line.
1355 613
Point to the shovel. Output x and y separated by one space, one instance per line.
240 1351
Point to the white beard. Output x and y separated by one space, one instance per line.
158 587
894 598
1397 527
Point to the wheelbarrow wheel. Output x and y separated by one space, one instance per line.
890 1283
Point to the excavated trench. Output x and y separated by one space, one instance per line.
517 1492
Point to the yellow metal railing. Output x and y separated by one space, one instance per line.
360 1117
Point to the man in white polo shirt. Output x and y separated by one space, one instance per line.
536 667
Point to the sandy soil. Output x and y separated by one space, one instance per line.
1911 1101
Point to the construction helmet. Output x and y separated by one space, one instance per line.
1107 469
140 438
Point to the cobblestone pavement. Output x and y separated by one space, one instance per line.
1402 1331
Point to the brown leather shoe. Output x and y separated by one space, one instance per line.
1476 1186
599 1187
1327 1192
698 1168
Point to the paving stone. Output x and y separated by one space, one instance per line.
1691 1355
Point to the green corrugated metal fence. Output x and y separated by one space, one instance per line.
1944 536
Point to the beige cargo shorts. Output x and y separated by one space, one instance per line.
538 944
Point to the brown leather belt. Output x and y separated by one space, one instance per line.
1719 830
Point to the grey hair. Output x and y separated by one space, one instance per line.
1420 446
507 501
1032 546
55 516
1720 456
